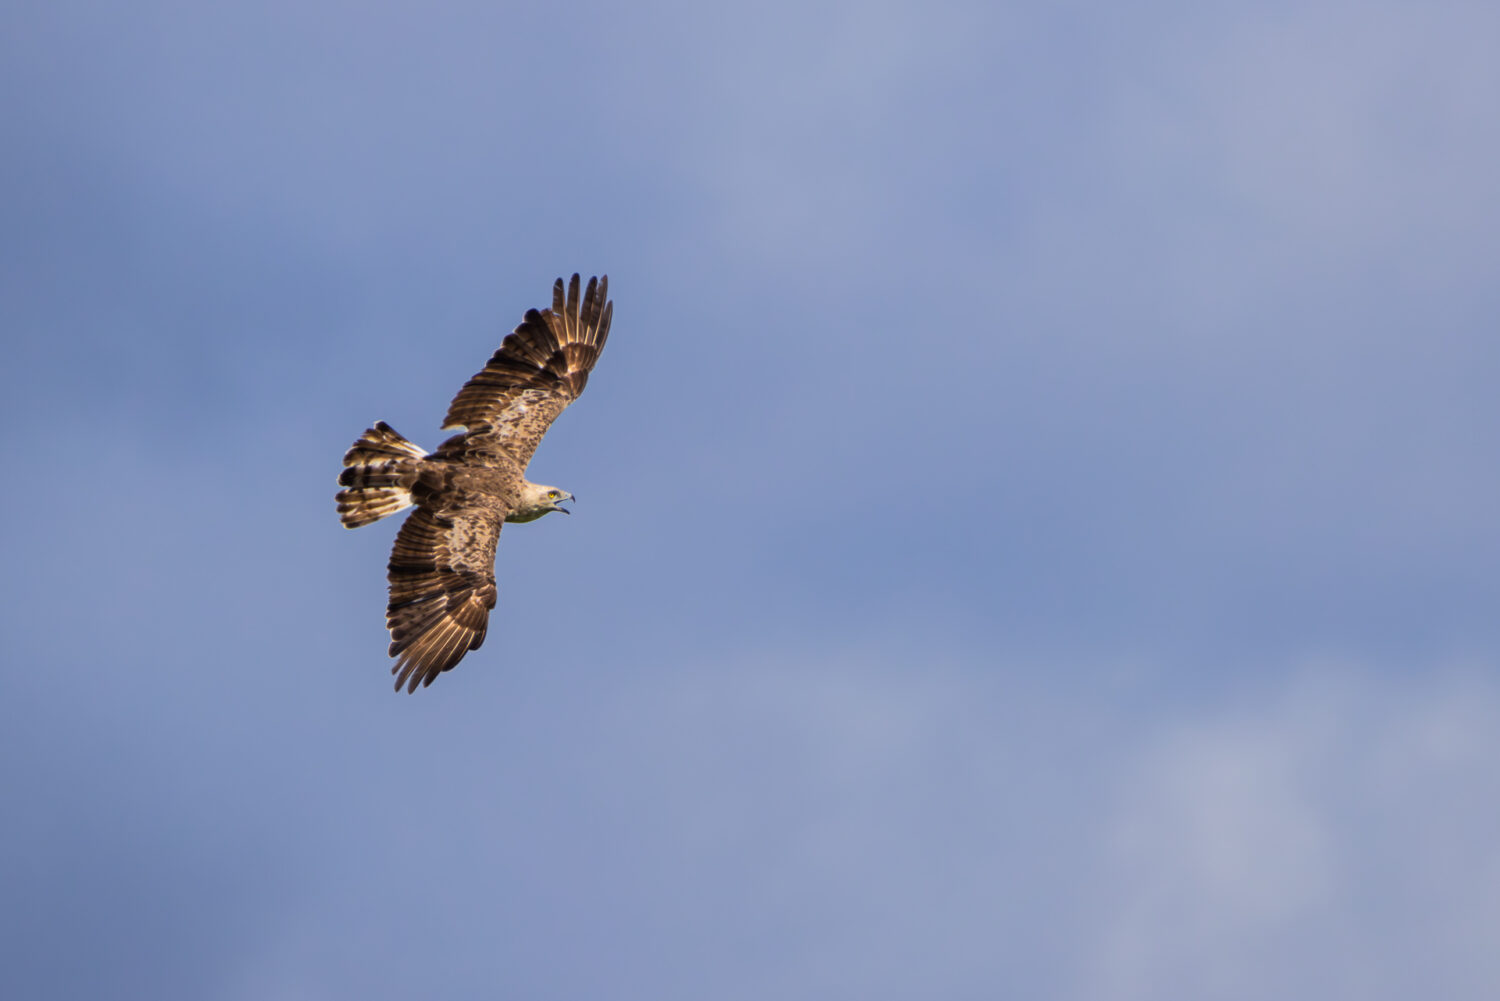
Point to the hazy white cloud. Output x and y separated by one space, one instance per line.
858 826
1364 132
1332 837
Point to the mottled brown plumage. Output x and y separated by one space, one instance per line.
442 568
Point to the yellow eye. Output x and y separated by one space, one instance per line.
554 494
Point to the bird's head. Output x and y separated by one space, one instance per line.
538 499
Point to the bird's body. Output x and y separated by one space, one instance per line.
441 572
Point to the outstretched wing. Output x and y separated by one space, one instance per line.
539 369
442 575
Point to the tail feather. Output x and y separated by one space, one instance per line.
380 443
380 469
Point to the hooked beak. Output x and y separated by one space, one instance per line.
564 510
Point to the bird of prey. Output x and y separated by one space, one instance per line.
442 569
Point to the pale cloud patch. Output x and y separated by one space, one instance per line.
1356 132
875 825
1336 838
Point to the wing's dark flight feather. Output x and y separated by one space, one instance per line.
442 590
540 368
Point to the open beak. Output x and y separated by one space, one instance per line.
564 510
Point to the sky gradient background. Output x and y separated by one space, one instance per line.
1037 525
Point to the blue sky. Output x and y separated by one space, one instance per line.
1036 532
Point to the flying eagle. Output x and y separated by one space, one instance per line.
442 569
